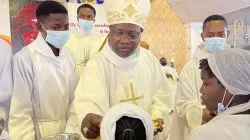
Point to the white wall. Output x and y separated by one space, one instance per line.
5 18
194 30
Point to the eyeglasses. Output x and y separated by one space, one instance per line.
120 35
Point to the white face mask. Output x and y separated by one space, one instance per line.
221 107
215 44
56 38
86 25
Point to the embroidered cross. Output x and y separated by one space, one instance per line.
133 99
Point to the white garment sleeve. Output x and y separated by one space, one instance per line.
21 125
72 121
6 83
188 103
162 99
92 91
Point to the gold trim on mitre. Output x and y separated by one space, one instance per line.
130 10
129 13
129 1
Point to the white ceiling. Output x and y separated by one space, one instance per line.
198 10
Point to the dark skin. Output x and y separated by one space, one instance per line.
123 47
163 61
86 14
55 22
215 28
212 93
124 38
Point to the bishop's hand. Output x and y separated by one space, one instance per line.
159 126
90 127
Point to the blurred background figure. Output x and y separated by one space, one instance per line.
85 40
144 45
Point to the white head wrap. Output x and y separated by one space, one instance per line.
232 68
127 11
108 126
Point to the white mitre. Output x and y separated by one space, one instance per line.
127 11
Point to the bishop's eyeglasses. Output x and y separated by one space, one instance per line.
119 35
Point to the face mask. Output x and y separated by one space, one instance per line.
86 25
57 38
215 44
221 107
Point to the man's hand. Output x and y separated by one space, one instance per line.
207 116
90 127
159 127
2 123
1 129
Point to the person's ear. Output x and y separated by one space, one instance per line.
39 26
228 33
202 37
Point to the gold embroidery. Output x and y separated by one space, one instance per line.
126 91
86 56
114 16
140 19
130 10
134 1
133 99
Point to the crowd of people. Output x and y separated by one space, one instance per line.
112 87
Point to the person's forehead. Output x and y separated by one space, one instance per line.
86 10
205 74
57 18
215 26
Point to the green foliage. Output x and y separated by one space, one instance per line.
16 5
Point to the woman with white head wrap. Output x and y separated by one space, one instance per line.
126 121
226 92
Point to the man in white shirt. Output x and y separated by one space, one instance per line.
85 40
45 79
123 72
189 112
6 83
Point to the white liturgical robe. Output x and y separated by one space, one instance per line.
84 46
43 91
6 81
109 79
232 127
188 109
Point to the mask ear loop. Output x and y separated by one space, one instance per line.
224 98
44 30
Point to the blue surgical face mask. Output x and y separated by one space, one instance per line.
221 107
57 38
85 25
215 44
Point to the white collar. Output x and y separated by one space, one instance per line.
112 57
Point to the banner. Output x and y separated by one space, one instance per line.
5 21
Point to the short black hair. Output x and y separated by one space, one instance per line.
87 6
212 18
50 7
128 128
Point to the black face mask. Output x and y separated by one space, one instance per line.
163 63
